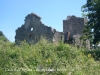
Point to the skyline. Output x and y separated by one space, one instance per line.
52 12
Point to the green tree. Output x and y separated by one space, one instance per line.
92 29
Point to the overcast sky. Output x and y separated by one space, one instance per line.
52 12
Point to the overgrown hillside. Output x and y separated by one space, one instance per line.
46 58
2 37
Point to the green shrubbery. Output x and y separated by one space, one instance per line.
2 37
45 58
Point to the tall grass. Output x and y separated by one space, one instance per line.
45 58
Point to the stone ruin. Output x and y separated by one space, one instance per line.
33 29
75 25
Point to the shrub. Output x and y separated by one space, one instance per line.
46 58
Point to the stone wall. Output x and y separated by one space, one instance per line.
75 26
33 29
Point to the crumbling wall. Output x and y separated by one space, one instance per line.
75 26
33 29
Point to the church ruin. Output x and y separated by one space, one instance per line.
33 29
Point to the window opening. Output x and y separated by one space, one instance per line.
31 29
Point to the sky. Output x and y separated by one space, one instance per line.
52 12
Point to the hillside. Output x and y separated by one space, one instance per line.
46 58
2 37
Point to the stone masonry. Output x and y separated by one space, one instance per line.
33 29
75 26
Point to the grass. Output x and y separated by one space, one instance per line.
45 58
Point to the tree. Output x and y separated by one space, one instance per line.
92 29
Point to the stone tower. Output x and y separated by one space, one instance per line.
74 25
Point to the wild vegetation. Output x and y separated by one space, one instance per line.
45 58
91 11
2 37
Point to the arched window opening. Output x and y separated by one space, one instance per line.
31 29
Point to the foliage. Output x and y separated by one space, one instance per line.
95 53
2 37
46 58
92 12
1 34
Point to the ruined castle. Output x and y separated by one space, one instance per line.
33 29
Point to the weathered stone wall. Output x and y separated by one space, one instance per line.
33 21
75 26
33 29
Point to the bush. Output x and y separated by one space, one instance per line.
46 58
